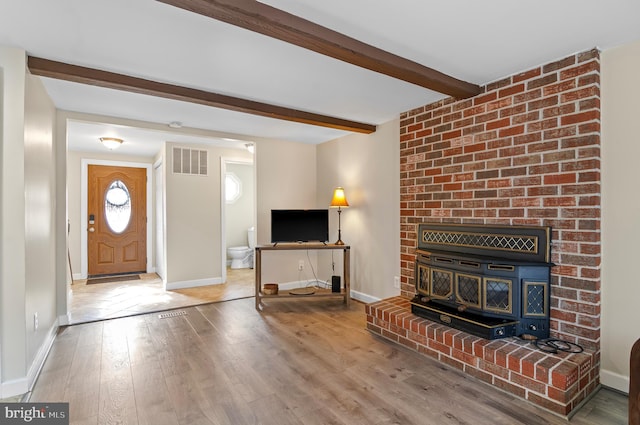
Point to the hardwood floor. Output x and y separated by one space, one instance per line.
126 298
304 362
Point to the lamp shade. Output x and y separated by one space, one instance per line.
339 198
111 143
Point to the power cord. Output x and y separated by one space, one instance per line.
317 282
553 346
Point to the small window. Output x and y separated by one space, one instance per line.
232 188
117 206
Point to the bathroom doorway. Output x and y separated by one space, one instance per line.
238 218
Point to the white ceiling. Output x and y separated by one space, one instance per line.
476 41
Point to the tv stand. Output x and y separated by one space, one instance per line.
299 243
345 292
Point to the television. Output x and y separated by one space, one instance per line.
299 226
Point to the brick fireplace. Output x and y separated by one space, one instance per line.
526 151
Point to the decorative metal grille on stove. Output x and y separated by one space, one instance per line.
423 280
498 295
535 299
468 289
441 283
508 242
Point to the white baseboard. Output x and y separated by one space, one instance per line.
614 380
193 283
64 319
360 296
365 298
23 385
41 355
78 276
295 284
14 388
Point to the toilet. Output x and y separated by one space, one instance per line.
242 256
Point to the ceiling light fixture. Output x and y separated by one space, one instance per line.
175 124
111 143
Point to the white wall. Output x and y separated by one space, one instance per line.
620 211
368 167
13 358
193 220
286 179
27 224
63 271
39 195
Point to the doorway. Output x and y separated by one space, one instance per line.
116 225
238 212
108 251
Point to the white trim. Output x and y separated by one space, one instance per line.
193 283
41 355
24 385
84 189
365 298
614 380
78 276
223 219
64 319
294 284
160 260
14 388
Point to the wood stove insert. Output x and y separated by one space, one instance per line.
489 281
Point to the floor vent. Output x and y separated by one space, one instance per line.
172 314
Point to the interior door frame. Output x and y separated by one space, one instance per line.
223 204
84 197
160 264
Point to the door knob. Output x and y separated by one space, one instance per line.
91 229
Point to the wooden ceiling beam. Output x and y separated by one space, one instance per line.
267 20
97 77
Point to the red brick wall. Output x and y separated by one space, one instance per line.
525 151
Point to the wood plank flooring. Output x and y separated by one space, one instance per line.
102 301
306 362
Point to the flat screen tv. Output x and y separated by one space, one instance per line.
299 226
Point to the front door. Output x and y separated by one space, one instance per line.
117 221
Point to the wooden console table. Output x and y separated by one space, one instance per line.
344 292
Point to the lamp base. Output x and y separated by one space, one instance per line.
339 242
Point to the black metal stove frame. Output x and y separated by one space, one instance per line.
490 281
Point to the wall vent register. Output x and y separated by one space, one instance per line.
190 161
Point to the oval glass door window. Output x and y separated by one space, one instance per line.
117 206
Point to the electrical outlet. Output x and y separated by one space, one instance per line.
396 282
35 321
300 265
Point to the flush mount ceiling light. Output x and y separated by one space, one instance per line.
111 143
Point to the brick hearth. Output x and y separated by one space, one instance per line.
526 151
557 382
